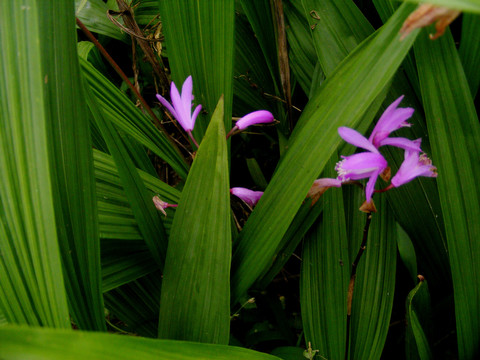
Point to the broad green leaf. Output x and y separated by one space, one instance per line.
324 278
195 299
139 198
28 343
374 285
313 141
337 28
454 132
32 289
73 180
464 5
199 40
418 309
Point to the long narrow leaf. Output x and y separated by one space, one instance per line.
32 286
195 299
313 142
32 343
454 131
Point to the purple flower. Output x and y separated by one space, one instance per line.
248 196
393 119
162 205
181 107
361 166
414 165
256 117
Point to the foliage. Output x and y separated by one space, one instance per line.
84 151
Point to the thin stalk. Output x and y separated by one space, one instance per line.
127 81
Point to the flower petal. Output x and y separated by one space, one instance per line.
413 166
256 117
249 196
392 119
403 143
370 187
360 166
165 103
355 138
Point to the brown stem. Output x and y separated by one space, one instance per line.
127 81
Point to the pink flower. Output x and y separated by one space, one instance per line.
162 205
414 165
320 186
248 196
181 107
256 117
361 166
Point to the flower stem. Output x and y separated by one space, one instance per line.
192 138
353 275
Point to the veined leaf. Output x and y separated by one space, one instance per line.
32 289
454 132
464 5
313 141
199 40
195 298
28 343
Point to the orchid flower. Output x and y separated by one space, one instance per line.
362 165
256 117
414 165
181 107
250 197
162 205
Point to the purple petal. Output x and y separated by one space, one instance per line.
403 143
413 166
181 117
195 113
360 166
256 117
392 119
371 185
249 196
165 103
355 138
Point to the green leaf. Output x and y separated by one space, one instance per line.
454 132
418 311
469 50
29 343
93 13
324 278
139 198
74 180
463 5
195 299
337 28
337 103
119 110
32 287
199 40
407 252
374 285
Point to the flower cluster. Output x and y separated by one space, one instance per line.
371 164
181 109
